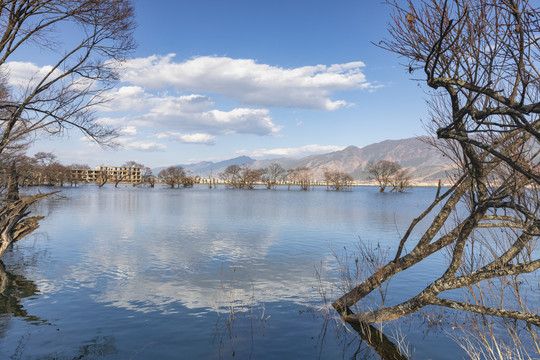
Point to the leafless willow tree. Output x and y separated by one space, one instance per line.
173 175
384 172
241 177
338 180
302 176
231 175
400 181
481 61
272 175
148 177
63 95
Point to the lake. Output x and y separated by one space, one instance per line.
140 273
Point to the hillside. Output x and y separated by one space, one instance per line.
205 168
423 162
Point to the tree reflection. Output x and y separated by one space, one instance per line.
14 288
97 347
358 341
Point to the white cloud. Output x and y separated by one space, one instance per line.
126 98
197 138
128 131
289 152
250 83
22 76
144 146
191 114
21 73
131 143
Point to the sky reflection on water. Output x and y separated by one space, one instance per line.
149 273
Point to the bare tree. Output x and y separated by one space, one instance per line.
248 177
63 95
302 176
25 167
148 177
173 175
272 175
383 172
338 180
44 159
103 178
241 177
56 174
480 58
400 181
189 179
231 175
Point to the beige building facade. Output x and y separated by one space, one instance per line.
107 174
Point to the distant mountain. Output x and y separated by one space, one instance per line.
204 168
421 159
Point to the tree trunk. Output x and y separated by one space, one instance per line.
14 223
13 184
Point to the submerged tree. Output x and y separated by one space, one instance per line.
62 95
173 175
383 172
302 176
231 175
248 177
480 58
401 181
272 175
338 180
241 177
148 177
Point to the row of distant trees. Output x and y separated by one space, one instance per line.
43 169
245 177
384 172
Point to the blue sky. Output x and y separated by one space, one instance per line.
214 79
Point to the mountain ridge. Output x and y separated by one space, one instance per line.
416 155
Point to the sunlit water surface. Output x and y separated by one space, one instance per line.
139 273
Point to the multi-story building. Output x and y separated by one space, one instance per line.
84 175
107 174
121 173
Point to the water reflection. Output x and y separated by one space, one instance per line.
14 288
212 273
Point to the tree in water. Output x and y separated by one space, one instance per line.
338 180
384 172
64 95
302 176
480 60
173 175
272 175
231 175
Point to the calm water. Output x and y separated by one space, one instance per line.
137 273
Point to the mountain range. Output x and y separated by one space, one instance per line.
420 159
